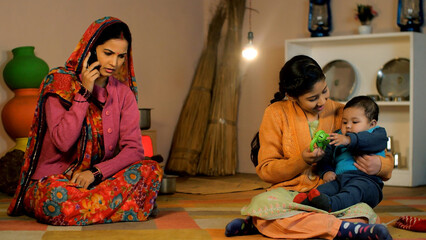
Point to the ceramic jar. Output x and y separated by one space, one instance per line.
364 29
23 75
17 114
25 70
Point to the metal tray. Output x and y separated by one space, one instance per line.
341 79
393 79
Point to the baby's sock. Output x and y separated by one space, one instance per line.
301 198
319 200
238 227
411 223
349 230
314 199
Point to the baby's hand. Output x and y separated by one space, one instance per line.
329 176
339 139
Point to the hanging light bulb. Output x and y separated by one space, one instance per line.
249 52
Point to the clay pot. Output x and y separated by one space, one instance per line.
18 113
25 70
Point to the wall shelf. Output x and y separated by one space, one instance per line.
404 120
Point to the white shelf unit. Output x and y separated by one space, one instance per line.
404 121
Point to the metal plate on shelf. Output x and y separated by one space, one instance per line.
341 79
393 79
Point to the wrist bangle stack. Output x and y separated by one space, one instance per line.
97 174
85 93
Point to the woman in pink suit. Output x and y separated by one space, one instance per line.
84 160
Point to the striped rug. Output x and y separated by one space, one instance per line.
197 216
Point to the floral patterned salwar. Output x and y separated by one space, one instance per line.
127 196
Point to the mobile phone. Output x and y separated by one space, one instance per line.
93 58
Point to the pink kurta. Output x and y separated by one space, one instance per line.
120 120
130 184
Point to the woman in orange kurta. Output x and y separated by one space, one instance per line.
299 109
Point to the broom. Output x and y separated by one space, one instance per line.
219 152
191 128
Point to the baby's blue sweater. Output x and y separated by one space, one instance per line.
343 159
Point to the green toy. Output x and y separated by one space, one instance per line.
320 139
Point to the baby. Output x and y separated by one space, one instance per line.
345 185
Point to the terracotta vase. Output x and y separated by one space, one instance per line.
17 114
25 70
23 75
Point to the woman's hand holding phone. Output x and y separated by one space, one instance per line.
89 73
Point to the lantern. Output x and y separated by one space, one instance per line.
410 15
319 18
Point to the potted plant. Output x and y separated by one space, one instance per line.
365 13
